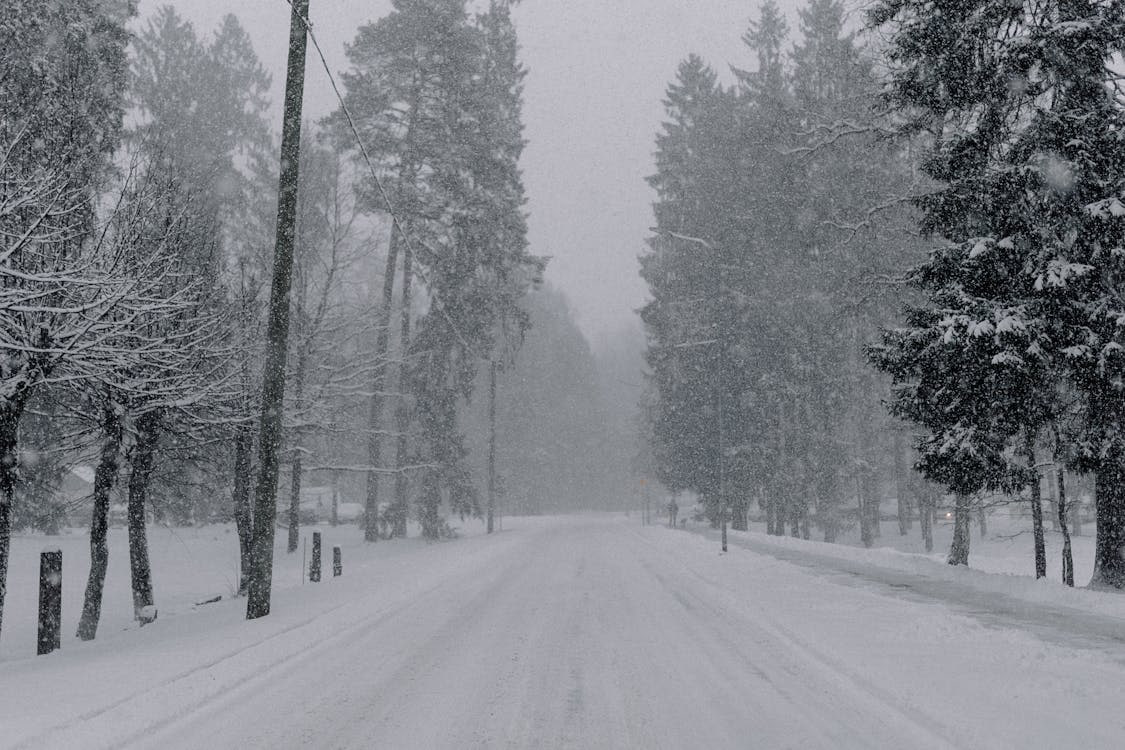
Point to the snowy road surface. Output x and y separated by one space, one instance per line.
594 632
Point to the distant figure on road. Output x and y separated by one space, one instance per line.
673 510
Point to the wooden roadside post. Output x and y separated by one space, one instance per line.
50 601
314 565
337 562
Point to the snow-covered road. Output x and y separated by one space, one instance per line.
593 632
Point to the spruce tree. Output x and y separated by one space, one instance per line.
682 271
409 70
437 98
1014 103
475 287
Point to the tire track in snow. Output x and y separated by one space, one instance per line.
237 670
876 702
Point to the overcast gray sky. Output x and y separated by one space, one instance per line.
598 70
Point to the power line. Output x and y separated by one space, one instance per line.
354 129
374 176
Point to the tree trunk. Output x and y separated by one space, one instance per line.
1109 545
428 504
243 508
1073 510
105 475
1036 512
9 452
900 486
277 332
141 460
295 468
1074 519
982 520
378 383
866 533
1067 556
739 511
335 519
959 550
874 507
402 485
926 518
829 521
294 502
491 444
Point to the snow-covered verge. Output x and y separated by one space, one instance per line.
125 667
1007 547
1000 566
189 564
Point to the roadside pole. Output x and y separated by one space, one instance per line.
277 330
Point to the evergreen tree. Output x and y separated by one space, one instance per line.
683 270
475 286
410 72
846 170
768 275
1015 101
437 99
762 276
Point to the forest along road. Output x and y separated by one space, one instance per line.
594 632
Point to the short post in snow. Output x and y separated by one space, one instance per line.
314 564
337 562
50 601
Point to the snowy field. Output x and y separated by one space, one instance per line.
582 632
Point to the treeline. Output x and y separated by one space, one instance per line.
967 166
563 430
760 272
138 198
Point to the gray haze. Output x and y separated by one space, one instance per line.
593 105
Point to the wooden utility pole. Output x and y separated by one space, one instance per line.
277 332
722 385
491 443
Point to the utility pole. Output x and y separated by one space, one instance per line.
721 343
277 331
491 443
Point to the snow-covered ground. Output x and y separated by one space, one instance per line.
588 632
190 565
1007 547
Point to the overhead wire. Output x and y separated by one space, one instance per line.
375 176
